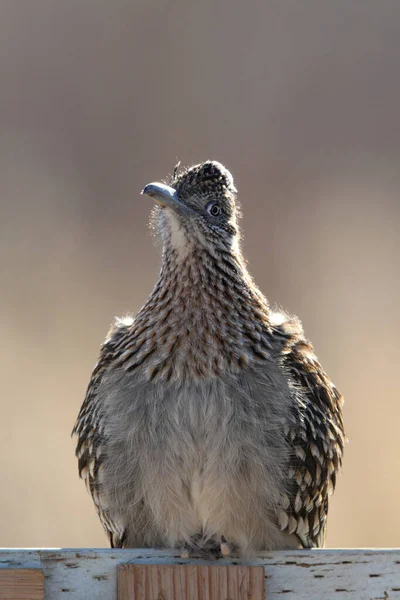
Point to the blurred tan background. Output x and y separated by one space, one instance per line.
301 101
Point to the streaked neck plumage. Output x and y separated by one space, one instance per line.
205 312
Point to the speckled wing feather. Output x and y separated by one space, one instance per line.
90 435
317 438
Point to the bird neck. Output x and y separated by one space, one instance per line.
208 282
204 317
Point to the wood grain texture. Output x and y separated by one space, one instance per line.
21 584
91 574
197 582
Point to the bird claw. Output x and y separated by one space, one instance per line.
225 547
185 553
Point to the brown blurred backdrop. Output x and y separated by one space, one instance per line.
301 101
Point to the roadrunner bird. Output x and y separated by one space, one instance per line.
208 423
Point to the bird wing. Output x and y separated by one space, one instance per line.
316 435
91 439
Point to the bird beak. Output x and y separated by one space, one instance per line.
164 195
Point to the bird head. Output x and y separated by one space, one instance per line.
197 208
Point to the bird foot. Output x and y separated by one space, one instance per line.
210 549
225 547
185 551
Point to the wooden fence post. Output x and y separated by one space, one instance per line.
101 574
194 582
21 584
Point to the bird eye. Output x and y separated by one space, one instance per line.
214 209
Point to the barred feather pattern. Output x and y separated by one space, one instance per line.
317 438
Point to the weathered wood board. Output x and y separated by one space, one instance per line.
21 584
194 582
88 574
